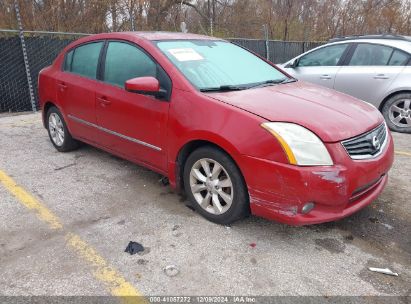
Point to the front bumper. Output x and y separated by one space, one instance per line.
279 191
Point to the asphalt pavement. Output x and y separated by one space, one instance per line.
66 219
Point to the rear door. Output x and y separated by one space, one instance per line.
76 87
132 124
320 66
370 71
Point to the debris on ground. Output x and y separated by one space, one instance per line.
175 227
384 271
228 227
349 237
64 167
122 222
164 181
175 231
134 247
171 270
142 262
374 220
388 226
252 245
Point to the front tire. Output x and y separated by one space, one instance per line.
215 186
59 134
397 112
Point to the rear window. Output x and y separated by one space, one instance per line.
371 54
83 60
399 58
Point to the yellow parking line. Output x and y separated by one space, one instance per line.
102 271
30 202
403 153
117 284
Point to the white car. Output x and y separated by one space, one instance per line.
375 68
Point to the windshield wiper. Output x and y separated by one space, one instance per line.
271 82
288 80
224 88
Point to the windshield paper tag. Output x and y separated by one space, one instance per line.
186 54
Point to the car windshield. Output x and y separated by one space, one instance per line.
219 66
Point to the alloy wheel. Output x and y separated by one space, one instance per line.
400 113
56 129
211 186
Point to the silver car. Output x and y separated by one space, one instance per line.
376 69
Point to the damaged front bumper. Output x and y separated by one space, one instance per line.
280 191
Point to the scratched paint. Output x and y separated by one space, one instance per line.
331 176
280 208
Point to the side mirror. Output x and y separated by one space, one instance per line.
144 85
293 64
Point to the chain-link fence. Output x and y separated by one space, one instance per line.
14 93
18 77
275 50
22 58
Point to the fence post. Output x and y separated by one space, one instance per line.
267 47
26 60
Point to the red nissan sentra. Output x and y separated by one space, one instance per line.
236 133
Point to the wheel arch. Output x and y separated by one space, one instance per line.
187 149
47 105
380 107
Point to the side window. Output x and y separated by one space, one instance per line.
68 60
399 58
370 54
326 56
85 59
124 62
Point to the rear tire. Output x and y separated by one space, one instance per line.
215 186
397 112
59 134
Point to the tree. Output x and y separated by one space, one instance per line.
286 19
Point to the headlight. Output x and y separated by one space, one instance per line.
301 146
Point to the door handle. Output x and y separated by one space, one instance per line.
62 86
325 77
381 76
104 101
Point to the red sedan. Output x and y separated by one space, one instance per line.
237 134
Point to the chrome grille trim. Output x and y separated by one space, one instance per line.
361 147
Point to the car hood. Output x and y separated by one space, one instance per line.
333 116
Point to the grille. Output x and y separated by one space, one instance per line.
367 145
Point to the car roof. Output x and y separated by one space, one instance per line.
375 36
154 35
404 45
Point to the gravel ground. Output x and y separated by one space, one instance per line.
109 202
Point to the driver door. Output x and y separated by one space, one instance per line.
320 66
133 125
